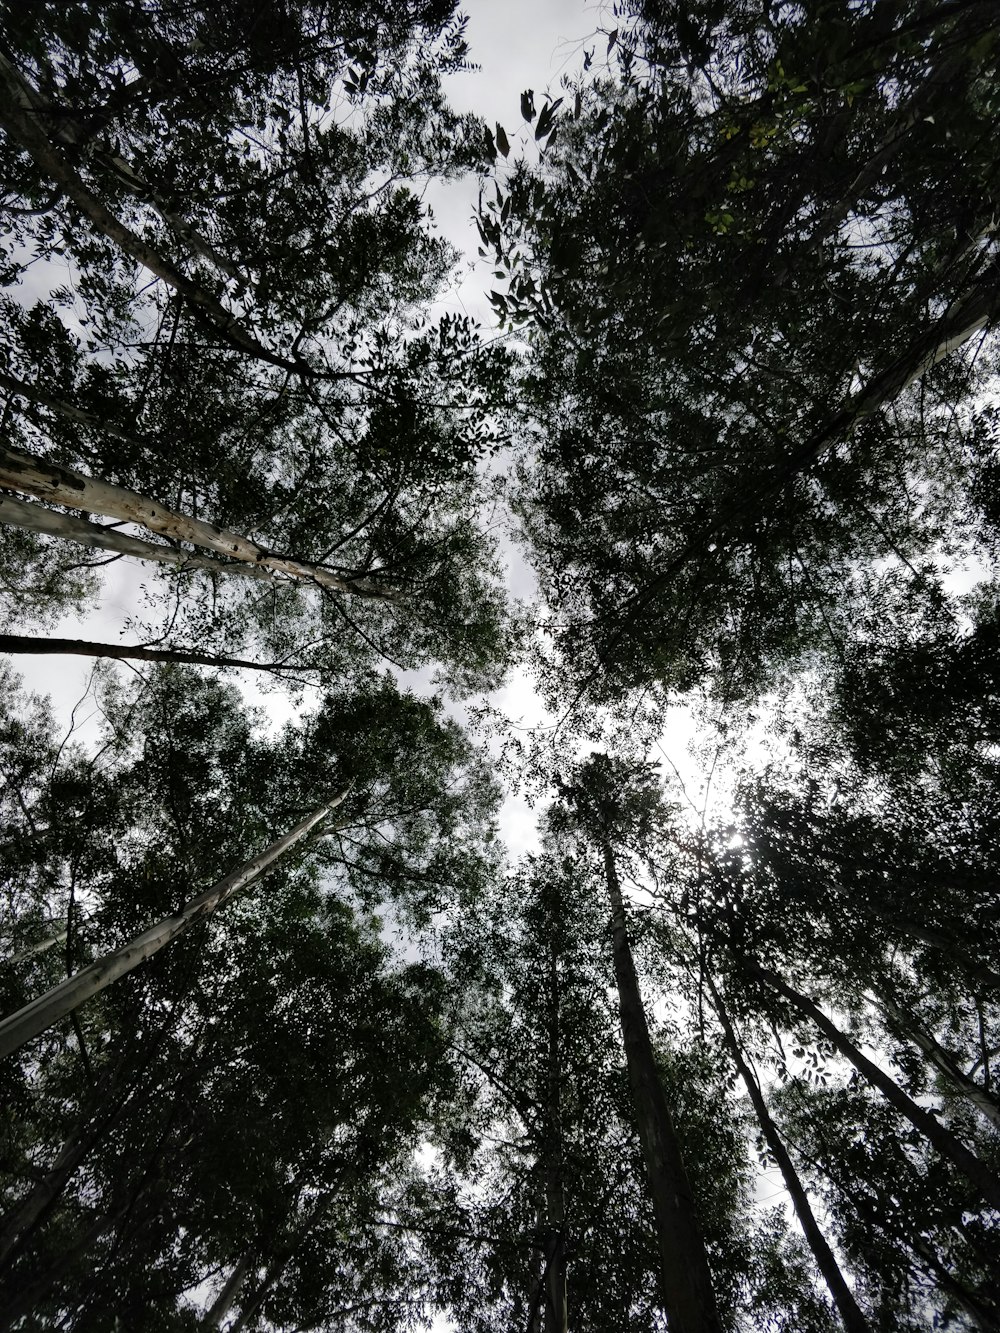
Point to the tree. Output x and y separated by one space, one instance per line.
361 449
746 312
222 1010
609 810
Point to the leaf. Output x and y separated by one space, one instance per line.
503 143
528 105
612 38
491 148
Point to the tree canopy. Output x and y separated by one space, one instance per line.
291 1041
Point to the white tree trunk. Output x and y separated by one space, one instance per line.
65 486
61 1000
52 523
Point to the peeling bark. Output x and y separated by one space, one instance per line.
65 486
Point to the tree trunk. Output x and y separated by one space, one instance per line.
20 1221
688 1298
937 1056
65 486
61 1000
22 127
62 125
25 1300
260 1293
16 643
52 523
843 1297
939 939
966 316
43 945
556 1313
223 1303
80 415
942 1139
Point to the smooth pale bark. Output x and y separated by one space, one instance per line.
688 1297
17 643
61 1000
22 126
69 410
260 1293
937 1056
65 486
53 523
223 1303
556 1312
43 945
843 1297
940 1138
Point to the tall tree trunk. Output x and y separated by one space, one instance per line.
260 1293
942 1139
43 945
843 1297
61 1000
556 1313
937 1056
21 125
21 389
969 313
17 643
53 523
64 126
65 486
25 1300
223 1303
688 1298
942 941
22 1220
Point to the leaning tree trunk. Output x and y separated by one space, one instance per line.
65 486
847 1307
21 125
70 130
17 643
19 1223
688 1297
63 999
943 942
223 1303
966 1088
966 316
941 1138
67 527
83 417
